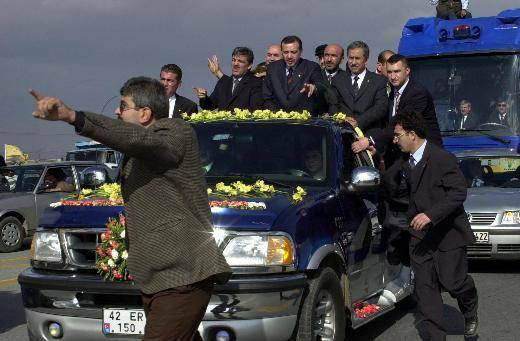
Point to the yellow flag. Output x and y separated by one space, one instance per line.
13 152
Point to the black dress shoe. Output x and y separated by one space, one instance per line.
470 329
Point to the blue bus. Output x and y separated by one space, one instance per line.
473 60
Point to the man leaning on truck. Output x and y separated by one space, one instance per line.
173 256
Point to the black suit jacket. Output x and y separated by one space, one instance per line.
437 189
415 98
495 118
183 105
471 122
247 95
369 107
278 95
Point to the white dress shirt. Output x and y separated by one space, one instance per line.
361 77
172 106
400 91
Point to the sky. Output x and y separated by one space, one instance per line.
83 51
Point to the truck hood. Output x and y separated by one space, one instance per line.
226 218
492 199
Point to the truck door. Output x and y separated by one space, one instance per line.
363 252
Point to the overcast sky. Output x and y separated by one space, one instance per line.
83 50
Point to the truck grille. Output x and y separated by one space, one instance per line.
80 246
481 218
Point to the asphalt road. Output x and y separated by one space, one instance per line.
497 282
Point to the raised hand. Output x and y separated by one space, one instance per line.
309 89
214 67
201 92
52 108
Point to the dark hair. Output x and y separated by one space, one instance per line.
501 99
244 51
396 58
292 39
147 92
381 56
360 45
173 68
411 121
320 50
58 173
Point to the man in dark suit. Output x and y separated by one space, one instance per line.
500 115
333 55
171 79
406 96
438 225
467 119
242 90
172 254
291 82
361 94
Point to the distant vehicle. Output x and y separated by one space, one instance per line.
493 202
107 156
469 59
25 191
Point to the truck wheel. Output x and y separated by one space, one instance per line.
11 234
322 316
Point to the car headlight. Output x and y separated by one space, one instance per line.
511 217
260 250
46 247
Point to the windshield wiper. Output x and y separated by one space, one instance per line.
251 177
490 135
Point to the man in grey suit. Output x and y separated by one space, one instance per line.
291 82
361 94
173 255
171 79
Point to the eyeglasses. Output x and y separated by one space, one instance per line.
501 105
123 107
397 137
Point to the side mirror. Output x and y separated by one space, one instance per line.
93 177
364 179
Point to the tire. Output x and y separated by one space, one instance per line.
322 315
12 234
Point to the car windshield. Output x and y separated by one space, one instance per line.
491 171
483 85
287 153
19 179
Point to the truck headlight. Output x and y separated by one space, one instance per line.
260 250
46 247
511 217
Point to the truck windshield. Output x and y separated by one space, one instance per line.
82 155
488 83
283 152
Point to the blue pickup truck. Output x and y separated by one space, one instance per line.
301 271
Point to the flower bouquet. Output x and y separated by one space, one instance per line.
245 115
104 195
112 255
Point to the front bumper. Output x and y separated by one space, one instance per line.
503 244
251 307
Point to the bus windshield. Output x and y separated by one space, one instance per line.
486 84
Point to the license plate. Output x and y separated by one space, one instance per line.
123 321
481 237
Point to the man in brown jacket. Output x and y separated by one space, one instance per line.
452 9
173 255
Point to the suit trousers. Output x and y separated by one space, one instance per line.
435 270
175 314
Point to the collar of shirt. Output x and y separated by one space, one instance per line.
331 74
361 77
238 79
417 156
294 67
401 89
171 100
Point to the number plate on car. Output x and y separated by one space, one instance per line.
123 321
481 237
